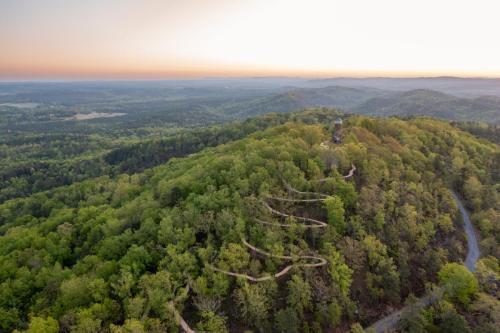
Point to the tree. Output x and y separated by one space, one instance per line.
335 211
234 256
286 321
157 290
340 273
212 323
452 322
458 282
472 191
334 313
383 277
486 310
130 326
8 319
253 303
86 322
413 319
299 295
75 292
43 325
488 274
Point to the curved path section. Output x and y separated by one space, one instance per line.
292 189
473 252
312 223
349 175
389 322
319 262
308 223
295 200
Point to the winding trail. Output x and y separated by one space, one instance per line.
319 262
295 200
312 222
349 175
308 223
292 189
473 252
390 322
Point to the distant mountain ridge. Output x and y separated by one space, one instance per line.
434 104
215 101
370 101
296 99
458 86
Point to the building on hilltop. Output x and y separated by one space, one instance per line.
337 131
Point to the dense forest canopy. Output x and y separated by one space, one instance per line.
138 252
34 162
54 134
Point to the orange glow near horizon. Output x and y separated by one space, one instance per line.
154 39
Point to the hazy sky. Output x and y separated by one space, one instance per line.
163 38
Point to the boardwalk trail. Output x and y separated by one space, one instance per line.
294 261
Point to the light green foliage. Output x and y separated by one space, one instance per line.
253 303
340 273
335 209
383 277
43 325
130 326
212 323
299 295
75 292
157 289
473 190
234 256
86 322
458 282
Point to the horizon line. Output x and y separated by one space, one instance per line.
247 77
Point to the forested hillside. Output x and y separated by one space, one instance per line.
433 104
54 134
280 231
34 163
298 99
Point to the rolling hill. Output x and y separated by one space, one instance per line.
374 102
433 104
296 99
278 231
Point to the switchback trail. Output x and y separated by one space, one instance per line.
389 322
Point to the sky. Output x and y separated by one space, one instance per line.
154 39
